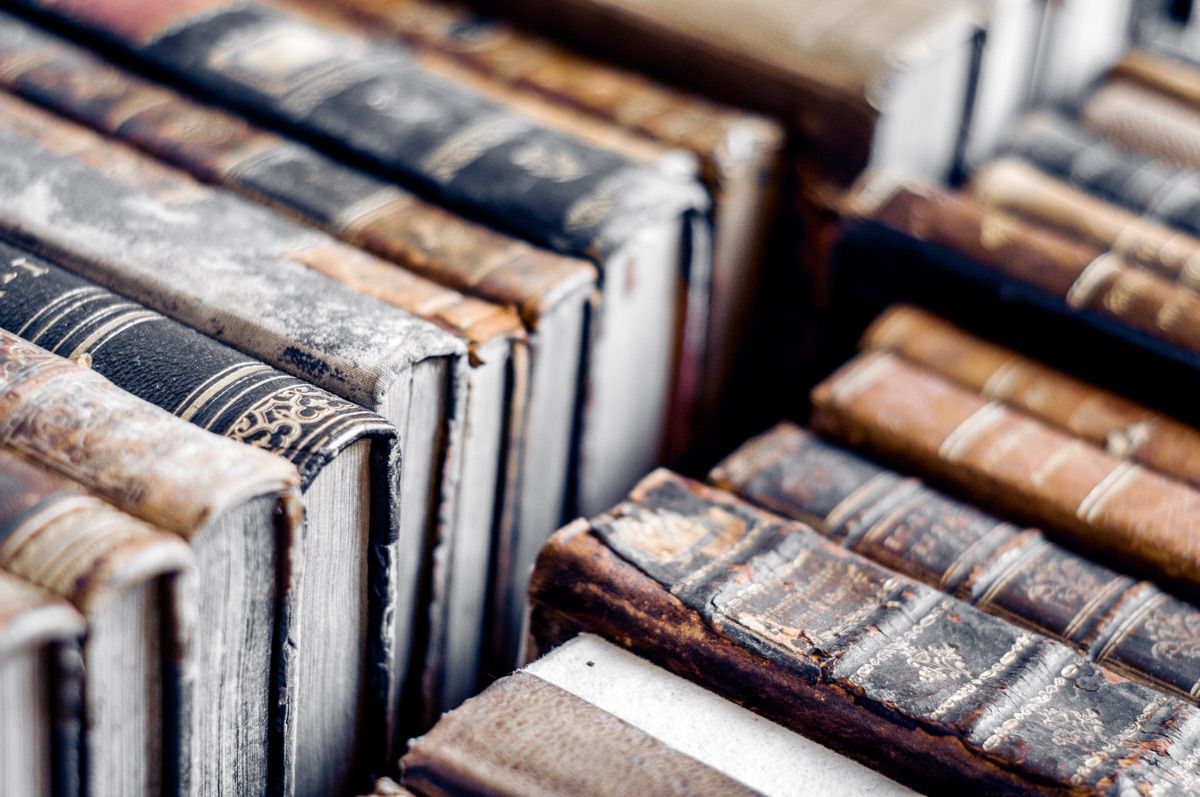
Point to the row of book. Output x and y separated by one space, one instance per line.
317 319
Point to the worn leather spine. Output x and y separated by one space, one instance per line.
1012 186
1008 461
526 736
218 147
1123 428
1081 275
1150 186
29 617
767 613
1128 626
1144 120
56 535
1168 76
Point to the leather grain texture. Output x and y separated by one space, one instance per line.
1127 626
219 147
1121 427
1004 459
767 613
524 736
1145 120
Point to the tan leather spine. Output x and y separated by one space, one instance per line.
524 737
1013 186
1145 120
1170 77
1123 428
143 459
30 615
1006 460
1082 275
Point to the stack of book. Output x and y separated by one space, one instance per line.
318 319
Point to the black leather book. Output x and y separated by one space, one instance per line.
346 455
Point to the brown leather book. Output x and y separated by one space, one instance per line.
132 583
39 689
237 506
590 718
764 611
1127 626
1006 460
1143 119
1082 275
1123 428
1013 186
1177 79
739 152
831 70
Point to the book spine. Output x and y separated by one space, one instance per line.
375 102
1170 77
1082 276
1013 186
763 611
1127 626
1124 429
1145 121
1009 461
218 147
1143 184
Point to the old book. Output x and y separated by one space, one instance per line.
1005 459
551 292
39 689
843 74
1079 274
239 509
1015 187
1146 185
1171 77
1123 428
739 152
347 458
764 611
371 102
133 585
1127 626
263 286
594 719
1144 120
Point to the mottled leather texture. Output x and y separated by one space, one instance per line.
1128 626
524 736
767 613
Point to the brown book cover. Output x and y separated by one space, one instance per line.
823 641
1140 118
132 583
1012 186
1004 459
1080 274
1123 428
1128 626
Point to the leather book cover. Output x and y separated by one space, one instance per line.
1123 428
1006 460
1144 184
33 619
219 147
1080 274
1171 77
524 736
1015 187
43 516
767 613
1128 626
1144 120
